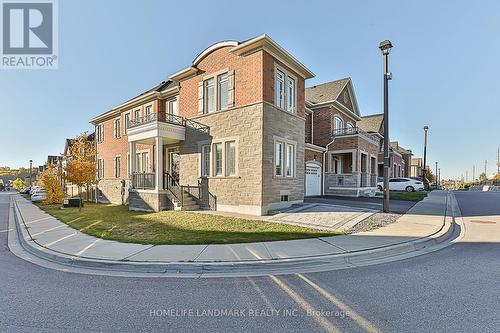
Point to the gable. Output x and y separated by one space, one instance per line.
345 99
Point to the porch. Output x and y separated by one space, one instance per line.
156 186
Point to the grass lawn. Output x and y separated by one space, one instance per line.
174 227
410 196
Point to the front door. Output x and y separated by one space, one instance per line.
174 162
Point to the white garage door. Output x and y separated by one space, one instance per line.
313 180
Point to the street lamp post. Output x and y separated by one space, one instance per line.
436 175
385 47
424 179
31 163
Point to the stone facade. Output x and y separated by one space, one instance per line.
110 190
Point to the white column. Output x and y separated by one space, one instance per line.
159 163
132 158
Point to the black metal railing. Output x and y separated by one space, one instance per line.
172 185
347 131
199 193
170 119
143 180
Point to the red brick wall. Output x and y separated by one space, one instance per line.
322 126
308 128
247 79
312 155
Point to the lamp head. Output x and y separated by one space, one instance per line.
426 128
385 47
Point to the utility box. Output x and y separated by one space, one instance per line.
71 202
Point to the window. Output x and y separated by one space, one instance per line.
280 89
148 112
338 123
222 90
137 114
100 168
218 159
290 160
209 96
116 128
118 166
290 94
230 158
145 162
278 159
128 164
284 197
100 133
172 107
205 160
127 120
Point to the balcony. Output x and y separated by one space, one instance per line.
348 131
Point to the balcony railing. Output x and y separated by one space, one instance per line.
169 119
352 131
143 181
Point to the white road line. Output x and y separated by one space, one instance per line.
327 325
42 232
6 230
362 322
60 239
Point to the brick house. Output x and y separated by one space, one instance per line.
340 158
225 133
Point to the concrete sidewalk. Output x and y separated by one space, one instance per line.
427 223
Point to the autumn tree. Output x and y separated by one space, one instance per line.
18 184
429 175
81 168
50 180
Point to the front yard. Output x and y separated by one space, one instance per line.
174 227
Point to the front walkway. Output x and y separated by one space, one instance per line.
49 235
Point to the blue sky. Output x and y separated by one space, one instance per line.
445 66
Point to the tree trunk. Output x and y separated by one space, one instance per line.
80 201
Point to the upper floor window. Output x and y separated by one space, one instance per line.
338 123
172 107
290 94
127 120
209 96
148 111
116 128
100 133
280 89
222 89
137 114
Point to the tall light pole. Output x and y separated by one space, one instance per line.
31 163
385 47
424 179
436 175
439 176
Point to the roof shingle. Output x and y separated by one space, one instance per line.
326 92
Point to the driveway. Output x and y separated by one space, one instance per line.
395 206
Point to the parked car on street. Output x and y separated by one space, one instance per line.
25 190
402 184
39 195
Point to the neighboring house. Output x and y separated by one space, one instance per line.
225 133
403 169
416 167
340 157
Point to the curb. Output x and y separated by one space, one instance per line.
243 268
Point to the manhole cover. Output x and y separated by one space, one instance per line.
483 221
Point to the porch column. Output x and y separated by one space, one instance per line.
159 163
132 158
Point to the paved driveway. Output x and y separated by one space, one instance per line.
396 206
324 216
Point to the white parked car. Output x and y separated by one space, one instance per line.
39 195
403 184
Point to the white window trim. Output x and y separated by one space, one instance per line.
202 160
167 105
223 142
100 133
100 170
125 125
117 135
335 117
284 143
114 162
287 74
215 77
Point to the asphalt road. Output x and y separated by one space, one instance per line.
452 290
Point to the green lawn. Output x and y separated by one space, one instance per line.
410 196
174 227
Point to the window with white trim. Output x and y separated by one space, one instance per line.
230 158
222 91
100 133
148 111
217 159
290 94
100 168
127 120
118 164
290 160
338 123
172 106
205 160
137 114
278 159
209 95
279 98
284 159
117 128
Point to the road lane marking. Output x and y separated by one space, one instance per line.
262 295
327 325
6 230
362 322
60 239
42 232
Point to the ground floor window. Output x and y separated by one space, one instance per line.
142 162
205 160
100 168
118 164
230 158
335 168
217 159
284 159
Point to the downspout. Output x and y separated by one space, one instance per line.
95 161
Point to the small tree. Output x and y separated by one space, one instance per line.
50 181
81 168
483 177
18 184
429 175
